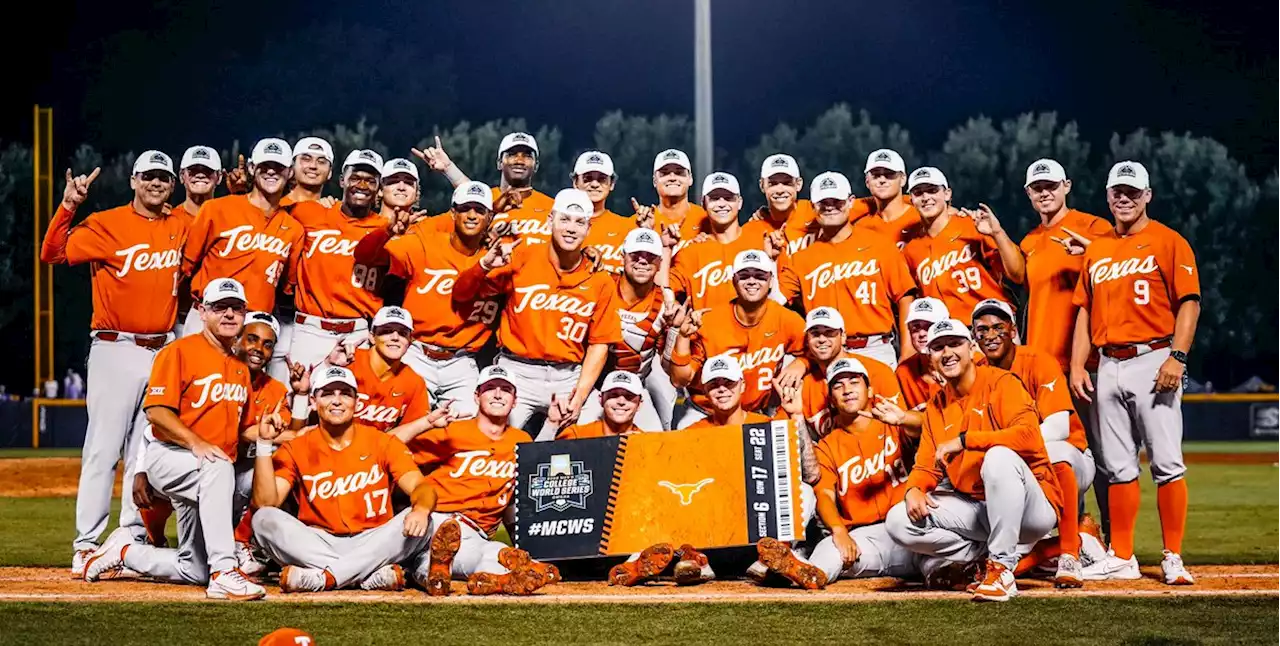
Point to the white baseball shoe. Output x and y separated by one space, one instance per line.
77 563
997 584
1175 573
246 562
1113 568
1069 573
1092 551
388 577
108 560
232 585
302 579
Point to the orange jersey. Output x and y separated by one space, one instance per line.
706 422
863 277
232 238
800 226
866 216
704 270
607 233
865 471
996 412
550 315
330 282
592 429
915 376
1052 274
691 219
473 475
1134 284
815 392
181 209
343 491
431 264
136 265
208 387
387 403
1043 379
641 328
759 349
959 266
264 394
529 222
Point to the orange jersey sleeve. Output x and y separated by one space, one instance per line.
815 392
387 403
703 271
431 264
264 394
607 233
1052 275
1134 284
208 388
864 469
799 226
918 386
691 220
1044 380
136 266
759 349
862 277
472 474
331 284
958 266
348 491
232 238
866 216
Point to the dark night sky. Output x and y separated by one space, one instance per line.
189 74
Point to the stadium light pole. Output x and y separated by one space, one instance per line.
705 137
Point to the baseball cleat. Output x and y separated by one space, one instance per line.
997 584
233 585
1175 573
389 578
1113 568
692 566
1092 551
520 582
779 558
246 562
758 573
513 559
302 579
444 546
955 576
77 563
107 561
650 563
1069 573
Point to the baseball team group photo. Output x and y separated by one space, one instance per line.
1007 382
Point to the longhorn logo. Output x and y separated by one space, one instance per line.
686 491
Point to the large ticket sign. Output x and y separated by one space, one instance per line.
720 487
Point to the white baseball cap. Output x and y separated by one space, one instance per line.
494 373
845 365
265 318
221 289
364 157
1045 170
271 149
153 160
313 146
779 163
992 306
722 366
642 239
721 180
622 380
327 375
1129 173
830 185
885 158
517 139
573 202
672 156
752 259
927 175
593 160
928 309
392 315
824 317
201 156
398 166
474 193
948 328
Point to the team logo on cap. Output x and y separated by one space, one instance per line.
827 182
671 154
262 316
159 158
273 148
943 326
335 372
644 236
315 146
1126 171
821 314
575 208
924 306
497 371
720 179
520 136
396 313
719 364
779 161
923 172
200 153
883 156
228 286
400 163
366 154
595 159
475 190
1040 169
752 257
622 377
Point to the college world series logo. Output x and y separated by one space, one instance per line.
560 484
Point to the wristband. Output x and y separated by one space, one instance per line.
264 447
1179 356
673 334
680 360
962 444
301 408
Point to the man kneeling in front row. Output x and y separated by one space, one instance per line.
340 474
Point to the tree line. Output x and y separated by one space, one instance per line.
1227 212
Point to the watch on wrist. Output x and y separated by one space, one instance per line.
962 444
1179 355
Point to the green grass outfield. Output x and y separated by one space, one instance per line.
1089 621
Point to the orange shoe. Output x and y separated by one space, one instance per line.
444 546
651 562
997 585
779 558
513 559
692 566
521 582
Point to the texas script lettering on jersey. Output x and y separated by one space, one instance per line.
327 241
139 258
477 464
325 486
238 240
828 274
713 274
440 280
856 469
1106 270
762 357
214 390
377 414
929 269
536 298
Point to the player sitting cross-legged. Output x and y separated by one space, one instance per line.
340 475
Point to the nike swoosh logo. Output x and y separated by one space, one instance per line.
769 334
861 249
397 394
364 457
1142 246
